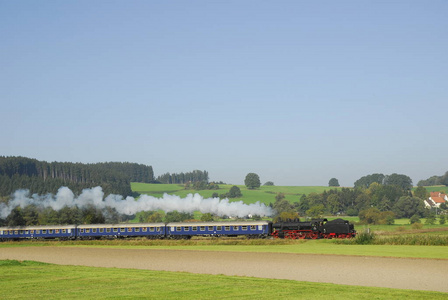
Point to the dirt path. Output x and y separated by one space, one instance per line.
401 273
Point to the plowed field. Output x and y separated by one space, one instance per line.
401 273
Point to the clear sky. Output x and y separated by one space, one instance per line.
295 91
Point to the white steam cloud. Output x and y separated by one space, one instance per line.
130 205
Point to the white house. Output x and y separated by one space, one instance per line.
435 199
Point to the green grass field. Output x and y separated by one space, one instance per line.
34 280
332 247
265 194
437 188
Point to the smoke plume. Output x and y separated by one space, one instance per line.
130 206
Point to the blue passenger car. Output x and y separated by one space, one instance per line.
96 231
38 232
250 229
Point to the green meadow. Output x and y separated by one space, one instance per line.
437 188
318 247
35 280
265 194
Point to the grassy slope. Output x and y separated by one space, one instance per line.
438 188
33 280
265 194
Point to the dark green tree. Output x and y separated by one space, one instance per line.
333 182
48 216
70 215
15 218
408 206
304 204
421 192
269 183
234 192
92 215
403 181
252 181
31 215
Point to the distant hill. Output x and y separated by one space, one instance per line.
42 177
434 180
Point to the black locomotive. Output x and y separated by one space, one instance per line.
314 229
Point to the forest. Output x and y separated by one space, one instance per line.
183 178
41 177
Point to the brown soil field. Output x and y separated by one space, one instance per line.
400 273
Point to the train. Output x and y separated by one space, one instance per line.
290 229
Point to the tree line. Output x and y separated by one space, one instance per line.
42 177
182 178
434 180
400 180
376 198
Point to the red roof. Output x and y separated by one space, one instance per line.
437 194
438 199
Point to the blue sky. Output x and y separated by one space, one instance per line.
295 91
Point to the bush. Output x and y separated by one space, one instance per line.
414 219
364 238
430 220
352 212
374 216
234 192
417 225
401 228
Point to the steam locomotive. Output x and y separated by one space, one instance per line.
314 229
291 229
